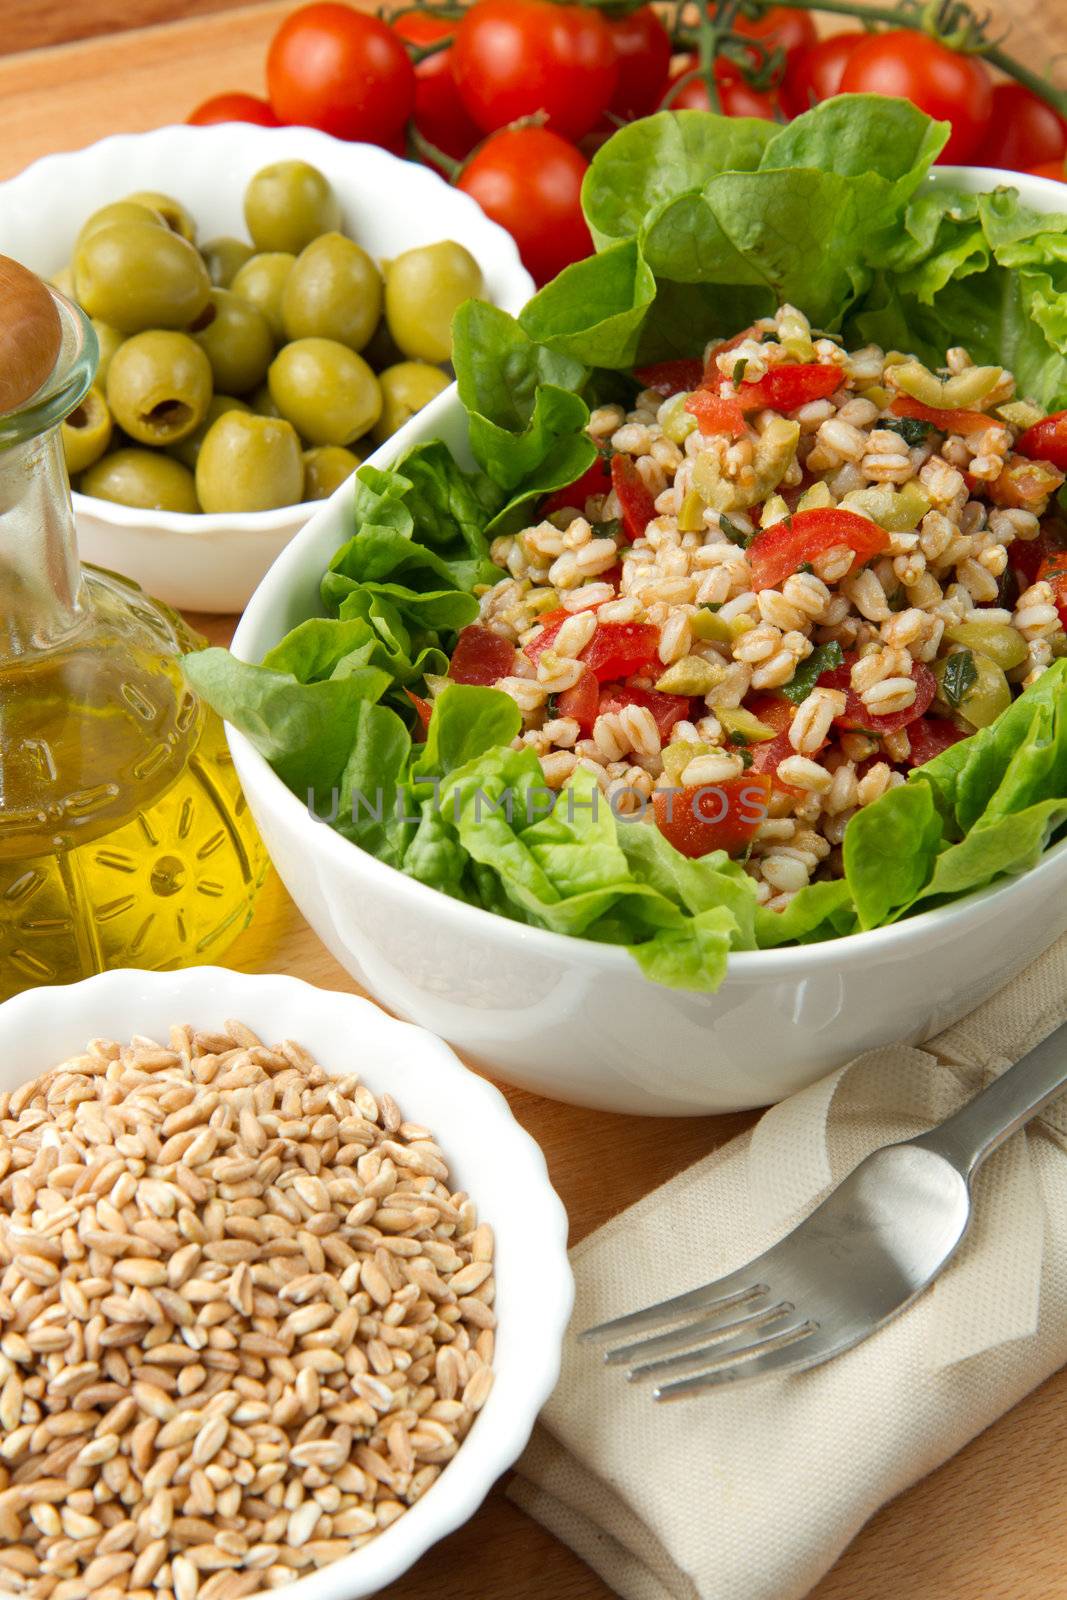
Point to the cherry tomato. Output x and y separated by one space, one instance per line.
944 421
424 711
814 73
342 71
671 377
643 56
439 115
530 181
234 107
666 709
581 701
723 816
481 656
777 551
786 388
595 480
1024 485
716 413
736 97
856 715
1046 440
1023 132
929 736
1049 169
513 58
635 500
946 85
780 28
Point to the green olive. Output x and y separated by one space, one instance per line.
224 258
333 292
86 433
63 280
174 214
326 468
117 211
188 449
289 204
261 402
108 339
159 386
406 388
249 463
998 640
236 339
325 390
423 288
136 275
985 697
261 281
144 478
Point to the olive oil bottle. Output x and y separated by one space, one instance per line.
124 837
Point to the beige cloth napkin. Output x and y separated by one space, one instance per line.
752 1493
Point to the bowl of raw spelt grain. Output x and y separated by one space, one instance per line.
807 606
259 1326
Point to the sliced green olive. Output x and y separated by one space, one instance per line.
999 640
677 423
691 675
963 391
739 722
986 692
775 451
677 756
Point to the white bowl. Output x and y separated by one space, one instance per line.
488 1154
213 563
578 1021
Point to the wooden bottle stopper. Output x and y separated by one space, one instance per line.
30 334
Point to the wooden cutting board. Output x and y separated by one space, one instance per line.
992 1524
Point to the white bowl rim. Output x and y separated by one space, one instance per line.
786 959
206 524
454 1498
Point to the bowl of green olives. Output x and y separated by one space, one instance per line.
270 305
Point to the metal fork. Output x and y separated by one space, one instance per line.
867 1251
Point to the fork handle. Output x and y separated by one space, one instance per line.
973 1133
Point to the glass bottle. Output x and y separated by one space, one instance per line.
125 839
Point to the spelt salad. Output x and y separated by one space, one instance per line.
762 549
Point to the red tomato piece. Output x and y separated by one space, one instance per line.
768 754
723 816
424 711
1053 571
481 656
814 73
619 649
786 388
1024 131
856 716
666 709
716 413
1023 484
777 551
929 736
1028 556
235 107
595 480
635 499
671 377
1046 440
582 702
945 421
439 114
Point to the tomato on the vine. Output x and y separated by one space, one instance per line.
945 84
514 58
530 181
234 107
439 114
779 28
815 72
643 56
1023 132
342 71
736 97
1049 169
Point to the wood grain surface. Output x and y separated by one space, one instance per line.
992 1523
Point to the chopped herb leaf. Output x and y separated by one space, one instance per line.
713 605
769 338
552 706
807 675
959 678
612 529
738 741
733 532
898 600
913 430
746 758
806 566
738 374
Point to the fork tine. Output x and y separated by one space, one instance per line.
721 1293
783 1320
757 1311
788 1351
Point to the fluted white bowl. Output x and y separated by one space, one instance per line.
214 562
